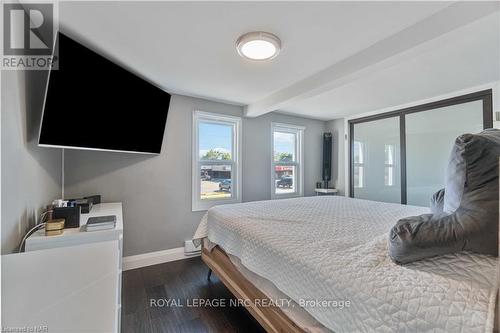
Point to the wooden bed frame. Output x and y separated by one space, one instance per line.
271 318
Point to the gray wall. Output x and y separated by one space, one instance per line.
257 154
156 190
338 160
31 175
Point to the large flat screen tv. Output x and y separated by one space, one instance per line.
92 103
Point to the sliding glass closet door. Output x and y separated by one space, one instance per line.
429 139
402 156
376 155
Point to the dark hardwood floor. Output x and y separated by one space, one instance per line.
182 281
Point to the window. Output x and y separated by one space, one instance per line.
287 172
359 164
389 165
216 156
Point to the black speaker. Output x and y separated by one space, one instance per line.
327 158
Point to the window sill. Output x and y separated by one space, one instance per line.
206 205
286 196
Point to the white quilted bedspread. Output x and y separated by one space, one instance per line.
335 249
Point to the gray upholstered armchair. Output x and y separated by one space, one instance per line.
465 213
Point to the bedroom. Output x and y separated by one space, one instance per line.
203 130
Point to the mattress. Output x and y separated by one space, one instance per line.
326 251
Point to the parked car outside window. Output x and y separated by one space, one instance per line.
225 185
285 181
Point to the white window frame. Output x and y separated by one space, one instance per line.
298 163
197 203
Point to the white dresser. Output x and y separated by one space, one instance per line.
93 251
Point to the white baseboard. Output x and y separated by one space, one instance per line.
154 258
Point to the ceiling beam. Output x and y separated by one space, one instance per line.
380 55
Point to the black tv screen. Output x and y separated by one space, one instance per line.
92 103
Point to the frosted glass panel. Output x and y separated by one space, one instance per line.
429 139
377 170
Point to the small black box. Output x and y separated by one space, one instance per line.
85 205
95 199
71 216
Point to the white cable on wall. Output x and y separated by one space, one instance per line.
62 175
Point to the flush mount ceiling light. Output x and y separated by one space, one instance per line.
258 45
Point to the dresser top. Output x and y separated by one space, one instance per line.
38 240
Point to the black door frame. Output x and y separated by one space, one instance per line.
484 95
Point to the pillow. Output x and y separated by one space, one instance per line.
437 202
468 219
456 174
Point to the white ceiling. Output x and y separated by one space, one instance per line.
188 48
467 57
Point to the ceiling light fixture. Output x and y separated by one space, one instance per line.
258 45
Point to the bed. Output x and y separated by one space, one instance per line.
320 252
